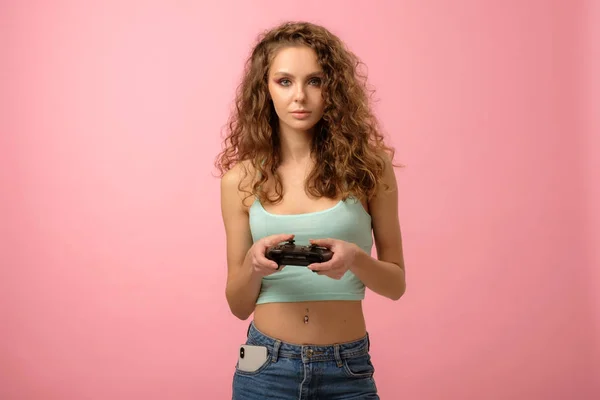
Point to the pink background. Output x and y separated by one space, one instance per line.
112 266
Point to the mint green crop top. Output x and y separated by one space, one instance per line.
347 221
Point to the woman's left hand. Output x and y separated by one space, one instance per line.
344 254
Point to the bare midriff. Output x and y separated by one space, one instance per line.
311 322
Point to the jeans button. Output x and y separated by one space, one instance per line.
309 353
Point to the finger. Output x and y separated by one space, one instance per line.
270 269
273 240
261 259
322 242
324 266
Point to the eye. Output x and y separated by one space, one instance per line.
284 82
315 81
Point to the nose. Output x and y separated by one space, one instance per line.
300 95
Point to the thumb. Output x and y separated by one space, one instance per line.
275 239
322 242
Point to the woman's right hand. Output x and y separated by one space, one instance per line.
261 265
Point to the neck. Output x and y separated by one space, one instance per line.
295 145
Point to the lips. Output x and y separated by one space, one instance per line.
301 115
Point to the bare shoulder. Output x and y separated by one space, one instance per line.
235 218
236 183
235 215
388 185
385 200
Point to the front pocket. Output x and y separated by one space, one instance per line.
258 370
359 367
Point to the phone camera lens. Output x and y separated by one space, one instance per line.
241 352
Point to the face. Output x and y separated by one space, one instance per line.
295 80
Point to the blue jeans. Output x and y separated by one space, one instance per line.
306 372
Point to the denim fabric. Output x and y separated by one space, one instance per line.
307 372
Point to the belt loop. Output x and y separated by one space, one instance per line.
338 357
276 346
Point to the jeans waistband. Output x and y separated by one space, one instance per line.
308 353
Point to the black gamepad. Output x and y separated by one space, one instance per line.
289 253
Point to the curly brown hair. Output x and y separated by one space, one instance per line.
348 146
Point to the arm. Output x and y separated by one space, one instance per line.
384 275
243 285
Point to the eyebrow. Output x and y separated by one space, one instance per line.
312 74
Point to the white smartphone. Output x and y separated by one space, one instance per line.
251 358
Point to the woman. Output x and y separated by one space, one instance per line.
304 160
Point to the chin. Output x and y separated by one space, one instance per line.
302 125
